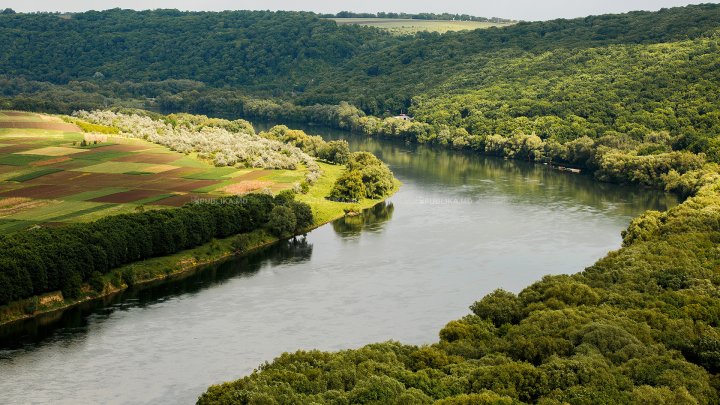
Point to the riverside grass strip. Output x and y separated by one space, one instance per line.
285 176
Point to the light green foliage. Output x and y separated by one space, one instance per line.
89 127
349 187
644 227
335 151
366 177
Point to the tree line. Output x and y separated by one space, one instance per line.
50 259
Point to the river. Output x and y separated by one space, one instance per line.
461 226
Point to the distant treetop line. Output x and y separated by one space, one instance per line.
350 14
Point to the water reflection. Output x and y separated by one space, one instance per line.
294 251
74 321
370 220
470 175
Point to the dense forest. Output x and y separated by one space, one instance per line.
632 98
296 57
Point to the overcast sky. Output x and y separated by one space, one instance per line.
516 9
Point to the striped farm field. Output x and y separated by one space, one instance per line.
53 173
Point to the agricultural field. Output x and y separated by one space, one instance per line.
53 173
408 26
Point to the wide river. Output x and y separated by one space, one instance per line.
461 226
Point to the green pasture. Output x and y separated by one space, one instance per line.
115 167
34 174
20 160
153 199
55 209
215 173
285 176
103 155
89 195
21 171
13 225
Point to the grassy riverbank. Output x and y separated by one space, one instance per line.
184 262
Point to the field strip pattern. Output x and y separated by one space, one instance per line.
53 173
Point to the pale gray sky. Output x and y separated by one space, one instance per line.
517 9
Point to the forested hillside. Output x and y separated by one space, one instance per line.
297 57
221 49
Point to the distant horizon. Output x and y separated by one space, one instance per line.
526 10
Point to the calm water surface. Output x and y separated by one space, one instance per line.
461 226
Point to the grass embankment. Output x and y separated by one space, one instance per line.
185 262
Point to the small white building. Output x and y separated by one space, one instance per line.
403 117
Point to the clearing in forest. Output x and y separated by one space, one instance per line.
404 26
